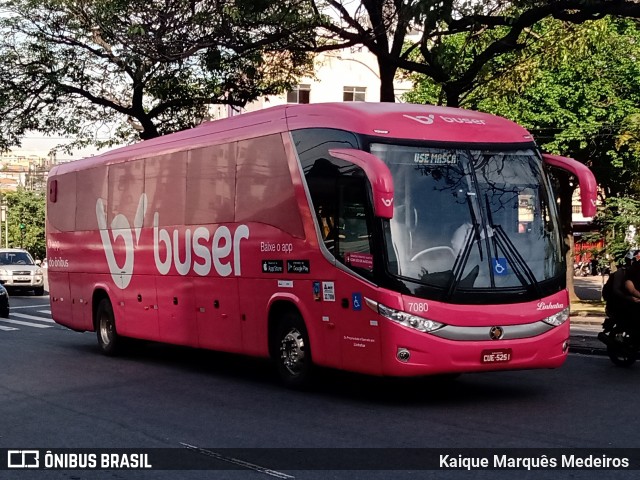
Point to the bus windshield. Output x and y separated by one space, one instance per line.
471 219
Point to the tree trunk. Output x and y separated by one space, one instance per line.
387 76
452 94
566 192
149 129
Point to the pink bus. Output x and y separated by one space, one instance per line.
386 239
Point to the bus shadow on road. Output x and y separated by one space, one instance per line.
430 390
442 389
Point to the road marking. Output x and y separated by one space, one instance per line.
7 329
31 317
237 461
46 312
26 324
23 307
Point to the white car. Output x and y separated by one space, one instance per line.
18 271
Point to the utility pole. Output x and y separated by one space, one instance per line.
4 208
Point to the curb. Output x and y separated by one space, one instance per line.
587 320
586 344
586 341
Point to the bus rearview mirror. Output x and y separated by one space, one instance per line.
586 180
377 173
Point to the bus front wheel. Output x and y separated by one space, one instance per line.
292 351
108 338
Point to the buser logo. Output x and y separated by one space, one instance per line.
429 119
120 228
425 119
199 251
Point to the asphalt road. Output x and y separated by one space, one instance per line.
58 391
589 288
585 329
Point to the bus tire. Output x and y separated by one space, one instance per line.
292 350
108 339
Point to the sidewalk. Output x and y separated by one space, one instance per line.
587 316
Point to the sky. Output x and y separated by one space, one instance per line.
41 145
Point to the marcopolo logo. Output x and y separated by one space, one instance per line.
200 250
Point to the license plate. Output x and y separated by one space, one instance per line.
498 355
22 279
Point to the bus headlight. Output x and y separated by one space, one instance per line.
557 318
408 320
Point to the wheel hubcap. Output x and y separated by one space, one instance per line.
106 330
292 352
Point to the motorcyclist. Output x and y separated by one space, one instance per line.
622 292
620 329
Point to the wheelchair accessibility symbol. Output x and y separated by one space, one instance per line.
499 266
356 301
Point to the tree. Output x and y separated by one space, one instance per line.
630 133
488 31
618 222
575 103
142 68
577 97
26 217
573 89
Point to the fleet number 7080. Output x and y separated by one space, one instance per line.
418 307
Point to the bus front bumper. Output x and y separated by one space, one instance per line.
409 353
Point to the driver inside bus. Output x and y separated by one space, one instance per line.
459 237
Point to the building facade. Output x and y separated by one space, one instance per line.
347 75
19 170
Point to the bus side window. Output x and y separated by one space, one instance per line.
354 233
341 205
328 225
322 181
338 192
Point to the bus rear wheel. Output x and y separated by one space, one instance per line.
292 351
108 339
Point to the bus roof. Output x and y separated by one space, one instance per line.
387 120
409 121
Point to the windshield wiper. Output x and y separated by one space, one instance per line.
475 223
460 262
520 267
472 235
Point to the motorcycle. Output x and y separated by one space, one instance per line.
582 269
622 338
